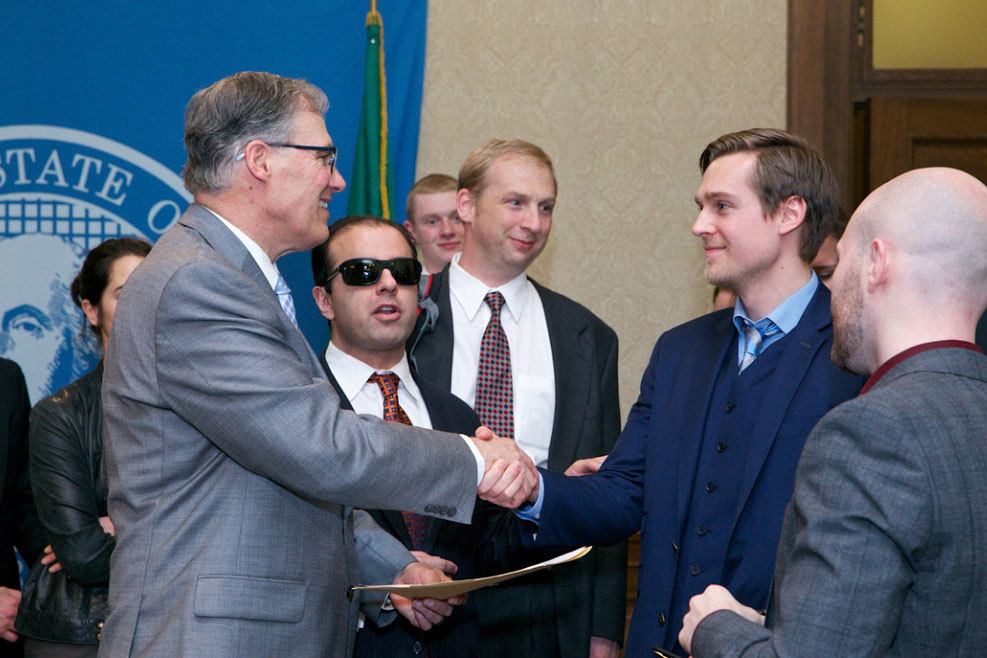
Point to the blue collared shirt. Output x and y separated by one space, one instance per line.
785 316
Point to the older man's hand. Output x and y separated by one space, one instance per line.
425 613
510 476
702 605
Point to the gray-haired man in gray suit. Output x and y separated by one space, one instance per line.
884 547
232 471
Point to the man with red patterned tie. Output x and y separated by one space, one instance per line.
535 366
367 288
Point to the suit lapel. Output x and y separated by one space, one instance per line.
707 355
803 343
222 240
570 353
435 358
389 517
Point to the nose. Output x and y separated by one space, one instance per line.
445 227
702 226
386 282
530 220
336 181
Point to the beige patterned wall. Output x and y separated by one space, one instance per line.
623 95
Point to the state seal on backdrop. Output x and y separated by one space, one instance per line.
62 192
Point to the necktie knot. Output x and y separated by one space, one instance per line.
756 333
387 382
495 301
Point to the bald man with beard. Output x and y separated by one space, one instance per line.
884 547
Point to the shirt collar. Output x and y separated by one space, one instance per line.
470 291
787 314
910 352
352 374
266 265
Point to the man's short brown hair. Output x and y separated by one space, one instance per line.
429 184
472 175
786 166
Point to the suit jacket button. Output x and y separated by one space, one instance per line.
710 487
661 619
721 447
417 648
695 569
702 530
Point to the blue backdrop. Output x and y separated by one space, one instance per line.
91 133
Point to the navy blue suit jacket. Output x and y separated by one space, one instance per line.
646 481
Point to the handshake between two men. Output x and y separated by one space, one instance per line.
509 480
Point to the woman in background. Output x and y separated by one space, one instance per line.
64 604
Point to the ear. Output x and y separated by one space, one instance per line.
466 206
92 314
878 265
324 301
791 212
257 158
409 226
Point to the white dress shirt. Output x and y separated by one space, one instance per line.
260 256
532 365
366 398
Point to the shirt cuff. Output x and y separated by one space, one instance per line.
481 466
532 512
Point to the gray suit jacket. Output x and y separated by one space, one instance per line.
232 470
884 547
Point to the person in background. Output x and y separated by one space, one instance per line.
62 611
824 264
536 366
367 277
19 524
433 221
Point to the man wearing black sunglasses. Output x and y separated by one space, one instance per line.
536 366
366 287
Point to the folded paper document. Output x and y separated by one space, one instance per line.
459 587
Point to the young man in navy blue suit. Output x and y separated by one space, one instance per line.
705 464
367 287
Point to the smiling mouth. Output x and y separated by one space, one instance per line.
324 204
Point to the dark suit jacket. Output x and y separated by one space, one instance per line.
567 604
646 482
884 548
19 525
470 547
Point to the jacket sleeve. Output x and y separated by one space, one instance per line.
610 581
68 502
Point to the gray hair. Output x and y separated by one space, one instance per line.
222 118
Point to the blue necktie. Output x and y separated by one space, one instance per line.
756 335
283 292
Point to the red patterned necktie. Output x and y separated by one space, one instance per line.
393 413
494 385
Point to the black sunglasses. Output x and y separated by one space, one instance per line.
367 271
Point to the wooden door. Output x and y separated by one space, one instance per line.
907 133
